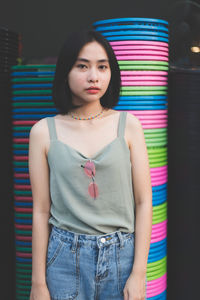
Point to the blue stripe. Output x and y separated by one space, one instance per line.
42 85
36 73
134 33
18 110
17 98
126 27
143 38
122 20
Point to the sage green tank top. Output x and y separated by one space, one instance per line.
72 208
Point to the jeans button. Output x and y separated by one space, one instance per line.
103 240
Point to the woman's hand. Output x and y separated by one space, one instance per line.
135 287
39 292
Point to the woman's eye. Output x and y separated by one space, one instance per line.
81 66
103 67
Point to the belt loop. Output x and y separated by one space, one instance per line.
74 243
120 239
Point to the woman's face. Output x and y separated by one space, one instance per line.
90 76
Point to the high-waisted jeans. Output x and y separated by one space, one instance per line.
88 267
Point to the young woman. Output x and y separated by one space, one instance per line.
91 186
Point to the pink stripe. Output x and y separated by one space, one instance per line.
158 233
21 175
148 112
159 229
15 157
156 292
158 178
161 78
158 281
153 43
143 83
22 209
159 182
24 122
159 169
140 47
158 239
23 254
23 238
27 227
21 198
160 121
141 57
157 286
154 126
162 177
159 225
24 187
154 175
147 73
16 140
141 52
156 117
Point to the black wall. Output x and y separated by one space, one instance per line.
45 24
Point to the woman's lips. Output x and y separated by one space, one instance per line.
92 91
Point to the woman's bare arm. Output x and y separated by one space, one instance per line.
39 178
142 194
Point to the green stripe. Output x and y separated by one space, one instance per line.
24 104
32 67
19 146
142 62
26 232
143 93
144 68
20 163
157 149
19 215
33 79
19 275
32 92
21 128
23 265
156 130
24 249
143 88
156 165
19 193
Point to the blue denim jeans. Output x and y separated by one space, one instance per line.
86 267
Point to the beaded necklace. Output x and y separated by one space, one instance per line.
89 118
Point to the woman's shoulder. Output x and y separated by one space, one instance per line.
134 128
133 121
40 128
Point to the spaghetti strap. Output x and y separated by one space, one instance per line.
122 123
52 128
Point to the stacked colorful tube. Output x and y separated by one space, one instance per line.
31 101
10 54
141 48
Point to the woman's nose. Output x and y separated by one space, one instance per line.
93 76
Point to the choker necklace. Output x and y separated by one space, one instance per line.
89 118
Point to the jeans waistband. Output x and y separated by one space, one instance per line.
101 240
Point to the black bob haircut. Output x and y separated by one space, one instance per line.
67 58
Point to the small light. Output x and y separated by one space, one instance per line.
195 49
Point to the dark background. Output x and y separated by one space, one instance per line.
44 26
